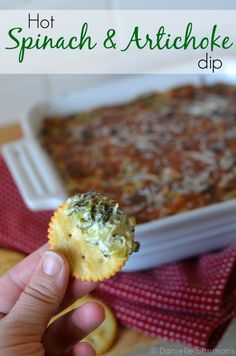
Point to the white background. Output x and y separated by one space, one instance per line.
19 92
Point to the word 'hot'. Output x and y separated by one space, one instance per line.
40 22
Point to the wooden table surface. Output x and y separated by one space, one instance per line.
127 340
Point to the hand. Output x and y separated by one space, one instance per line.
30 294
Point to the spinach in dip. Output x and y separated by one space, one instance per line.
102 223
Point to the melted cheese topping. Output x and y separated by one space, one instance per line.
157 156
102 223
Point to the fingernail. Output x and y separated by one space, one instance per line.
52 263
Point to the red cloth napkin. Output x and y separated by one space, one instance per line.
190 302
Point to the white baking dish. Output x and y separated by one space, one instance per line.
165 240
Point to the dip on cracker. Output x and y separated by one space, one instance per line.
94 235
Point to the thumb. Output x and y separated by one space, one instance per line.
42 296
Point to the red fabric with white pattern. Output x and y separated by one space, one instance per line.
190 302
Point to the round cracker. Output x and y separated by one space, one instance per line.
8 259
102 338
86 261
